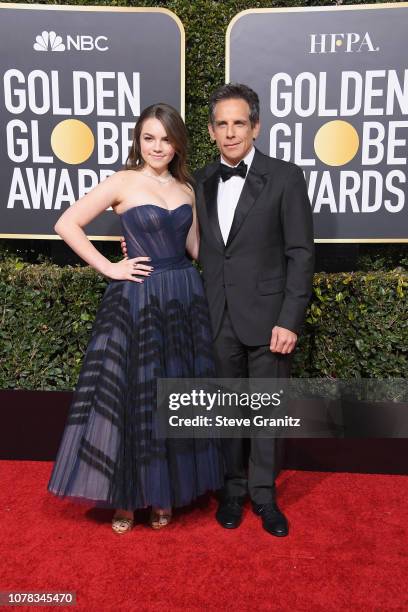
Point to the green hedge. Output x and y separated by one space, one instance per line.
357 325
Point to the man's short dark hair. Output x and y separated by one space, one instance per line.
236 91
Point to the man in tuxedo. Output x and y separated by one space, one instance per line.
257 258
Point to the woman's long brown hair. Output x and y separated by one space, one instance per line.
177 135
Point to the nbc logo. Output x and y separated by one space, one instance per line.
48 41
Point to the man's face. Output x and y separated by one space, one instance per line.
232 129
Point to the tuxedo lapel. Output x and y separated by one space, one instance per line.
210 188
254 183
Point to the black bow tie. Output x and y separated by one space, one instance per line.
226 171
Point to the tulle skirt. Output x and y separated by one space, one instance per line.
109 454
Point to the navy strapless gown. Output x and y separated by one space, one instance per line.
142 331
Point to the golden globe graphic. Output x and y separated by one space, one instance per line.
70 100
334 102
336 143
72 141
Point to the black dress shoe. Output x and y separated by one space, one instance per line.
229 513
273 520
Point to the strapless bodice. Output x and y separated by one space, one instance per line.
159 233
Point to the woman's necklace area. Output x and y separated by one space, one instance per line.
162 181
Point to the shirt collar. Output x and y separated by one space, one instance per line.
247 159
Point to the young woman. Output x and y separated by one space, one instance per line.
153 322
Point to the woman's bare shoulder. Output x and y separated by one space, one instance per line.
127 176
126 183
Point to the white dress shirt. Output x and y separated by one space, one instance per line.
228 196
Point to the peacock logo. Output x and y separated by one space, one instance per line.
48 41
51 41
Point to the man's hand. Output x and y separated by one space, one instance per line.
282 340
123 246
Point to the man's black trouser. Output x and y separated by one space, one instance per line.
236 360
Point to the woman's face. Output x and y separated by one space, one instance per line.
156 150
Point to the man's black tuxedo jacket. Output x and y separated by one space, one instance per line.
264 272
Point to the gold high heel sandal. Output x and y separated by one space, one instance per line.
159 518
122 524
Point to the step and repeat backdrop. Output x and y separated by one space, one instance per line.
333 87
73 82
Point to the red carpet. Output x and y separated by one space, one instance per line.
347 549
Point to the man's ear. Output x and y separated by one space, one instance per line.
211 131
257 129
